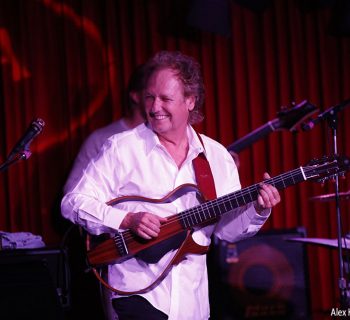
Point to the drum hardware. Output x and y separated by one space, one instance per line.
332 197
331 117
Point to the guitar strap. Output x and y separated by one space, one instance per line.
204 176
206 186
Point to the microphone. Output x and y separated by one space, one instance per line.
310 124
331 112
23 144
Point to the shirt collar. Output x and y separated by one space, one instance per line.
152 140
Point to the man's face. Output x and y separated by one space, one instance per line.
166 106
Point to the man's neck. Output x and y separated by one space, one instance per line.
177 146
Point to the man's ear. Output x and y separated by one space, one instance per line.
136 96
191 102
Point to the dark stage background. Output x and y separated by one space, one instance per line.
68 62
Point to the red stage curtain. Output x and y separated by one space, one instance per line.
67 62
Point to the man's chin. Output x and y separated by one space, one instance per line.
162 129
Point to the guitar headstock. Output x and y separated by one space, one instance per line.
326 167
291 118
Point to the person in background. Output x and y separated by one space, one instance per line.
93 144
150 161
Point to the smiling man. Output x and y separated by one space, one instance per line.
151 161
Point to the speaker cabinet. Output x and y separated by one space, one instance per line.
34 284
264 277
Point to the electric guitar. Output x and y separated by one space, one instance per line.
287 119
125 244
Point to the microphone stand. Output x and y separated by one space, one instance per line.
332 120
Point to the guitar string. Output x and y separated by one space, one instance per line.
127 234
187 214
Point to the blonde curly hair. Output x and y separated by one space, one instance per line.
188 72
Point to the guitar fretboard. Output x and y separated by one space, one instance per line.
215 208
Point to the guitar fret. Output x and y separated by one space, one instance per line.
183 221
251 196
231 204
283 183
205 216
202 216
289 179
188 221
208 211
182 218
241 200
197 216
222 208
225 210
293 179
191 220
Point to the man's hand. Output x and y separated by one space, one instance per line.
268 196
144 224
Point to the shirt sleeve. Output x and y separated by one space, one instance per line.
242 222
86 204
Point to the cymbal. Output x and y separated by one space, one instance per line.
331 243
331 196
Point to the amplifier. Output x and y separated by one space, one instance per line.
35 283
263 277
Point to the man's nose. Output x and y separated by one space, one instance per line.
156 105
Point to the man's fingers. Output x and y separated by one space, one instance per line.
144 235
146 232
268 195
147 225
266 176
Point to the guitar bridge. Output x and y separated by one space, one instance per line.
120 243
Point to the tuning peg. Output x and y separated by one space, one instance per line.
322 181
342 175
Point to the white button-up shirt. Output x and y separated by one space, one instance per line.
135 163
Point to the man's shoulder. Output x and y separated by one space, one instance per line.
128 136
212 143
110 129
97 138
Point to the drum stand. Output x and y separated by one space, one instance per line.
332 120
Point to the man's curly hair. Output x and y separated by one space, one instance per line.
188 72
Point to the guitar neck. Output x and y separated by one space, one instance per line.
213 209
255 135
126 244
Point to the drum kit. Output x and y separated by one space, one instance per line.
325 242
341 243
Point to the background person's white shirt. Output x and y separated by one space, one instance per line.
89 150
